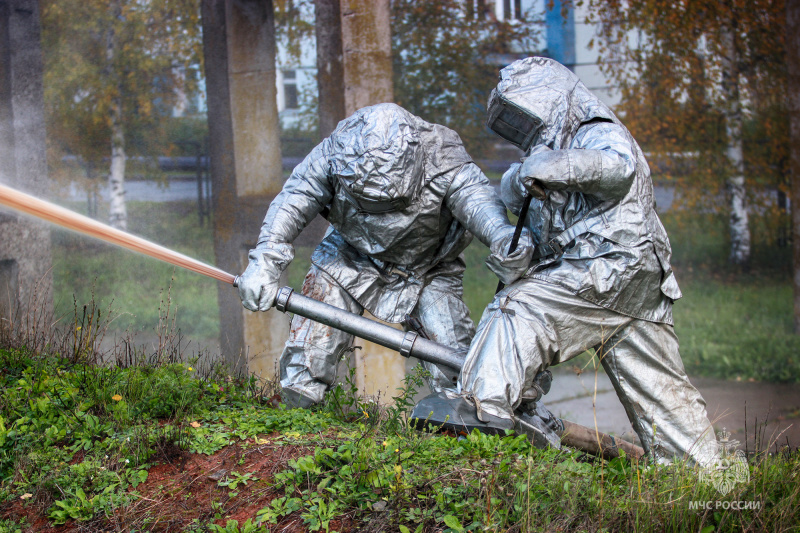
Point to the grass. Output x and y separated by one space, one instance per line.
725 321
136 287
734 323
738 330
158 445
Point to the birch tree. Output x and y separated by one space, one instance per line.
696 78
113 71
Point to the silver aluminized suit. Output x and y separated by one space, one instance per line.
403 199
600 276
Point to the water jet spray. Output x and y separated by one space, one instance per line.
65 218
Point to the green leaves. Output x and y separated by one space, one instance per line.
278 508
143 54
453 523
440 67
232 526
235 479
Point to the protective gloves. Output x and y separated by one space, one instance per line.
258 285
510 267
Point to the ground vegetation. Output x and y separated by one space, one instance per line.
163 441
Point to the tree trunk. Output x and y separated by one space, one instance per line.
739 226
26 281
793 100
330 65
117 212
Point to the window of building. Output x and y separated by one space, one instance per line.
290 98
493 9
512 9
479 9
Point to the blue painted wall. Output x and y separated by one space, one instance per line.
561 34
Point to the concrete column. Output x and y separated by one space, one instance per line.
330 65
367 47
239 48
367 60
25 279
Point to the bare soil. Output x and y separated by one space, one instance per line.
182 487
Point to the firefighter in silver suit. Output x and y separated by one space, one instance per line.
600 275
404 200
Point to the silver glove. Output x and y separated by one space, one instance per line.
510 267
259 284
534 166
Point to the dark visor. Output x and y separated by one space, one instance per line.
514 126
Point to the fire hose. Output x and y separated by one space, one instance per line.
411 344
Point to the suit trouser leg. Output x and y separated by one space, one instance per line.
445 317
667 412
312 352
533 324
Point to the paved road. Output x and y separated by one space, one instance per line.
181 190
146 191
771 410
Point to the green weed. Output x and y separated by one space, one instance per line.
76 435
12 526
232 526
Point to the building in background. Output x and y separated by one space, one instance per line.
569 34
565 38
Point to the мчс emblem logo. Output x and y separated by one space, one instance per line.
729 467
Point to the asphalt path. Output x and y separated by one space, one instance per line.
175 190
765 412
186 189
